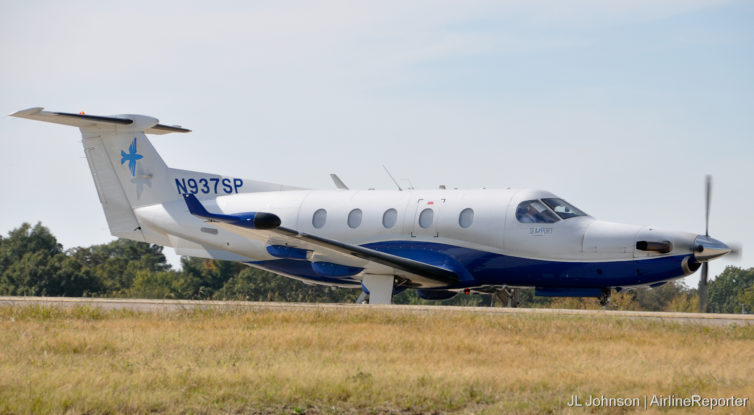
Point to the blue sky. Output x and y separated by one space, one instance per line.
619 107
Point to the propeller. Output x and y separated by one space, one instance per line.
707 249
703 288
708 199
705 264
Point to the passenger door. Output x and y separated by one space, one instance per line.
426 217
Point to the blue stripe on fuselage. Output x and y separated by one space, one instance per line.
477 268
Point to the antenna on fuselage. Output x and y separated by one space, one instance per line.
392 178
338 183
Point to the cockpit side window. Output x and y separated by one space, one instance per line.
564 209
534 211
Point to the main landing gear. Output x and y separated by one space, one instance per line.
378 288
363 297
509 297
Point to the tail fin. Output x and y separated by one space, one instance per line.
126 169
129 174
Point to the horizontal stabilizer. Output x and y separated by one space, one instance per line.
95 121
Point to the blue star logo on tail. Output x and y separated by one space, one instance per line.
131 157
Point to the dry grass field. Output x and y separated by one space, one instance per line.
84 360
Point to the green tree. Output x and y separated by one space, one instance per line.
32 262
746 298
117 263
163 284
730 290
26 239
253 284
203 277
660 298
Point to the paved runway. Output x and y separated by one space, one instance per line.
176 305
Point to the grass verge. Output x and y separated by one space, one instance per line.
86 360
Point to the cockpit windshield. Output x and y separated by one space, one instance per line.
534 211
564 209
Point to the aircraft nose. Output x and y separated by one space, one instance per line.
706 248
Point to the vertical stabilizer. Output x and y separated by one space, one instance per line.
128 174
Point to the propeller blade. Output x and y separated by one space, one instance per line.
708 198
703 288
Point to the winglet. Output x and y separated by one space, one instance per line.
250 220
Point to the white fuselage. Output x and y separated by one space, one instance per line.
492 228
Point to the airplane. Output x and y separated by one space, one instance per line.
439 242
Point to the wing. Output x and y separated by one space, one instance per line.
266 227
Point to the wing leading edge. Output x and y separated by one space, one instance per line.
261 224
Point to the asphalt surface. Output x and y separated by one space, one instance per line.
177 305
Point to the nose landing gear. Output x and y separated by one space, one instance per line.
605 298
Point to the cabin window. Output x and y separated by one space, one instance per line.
319 218
426 217
534 211
354 218
563 209
466 218
389 218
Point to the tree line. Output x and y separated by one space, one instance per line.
33 263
